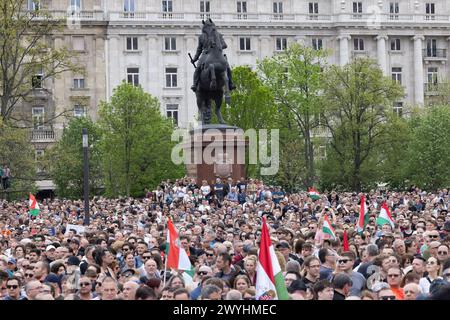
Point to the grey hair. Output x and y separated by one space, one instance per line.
208 290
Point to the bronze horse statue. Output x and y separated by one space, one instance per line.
213 81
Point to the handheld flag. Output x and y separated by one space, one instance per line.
385 216
177 257
327 228
269 277
345 244
363 215
33 206
313 194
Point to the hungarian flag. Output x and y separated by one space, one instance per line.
346 247
313 194
269 277
33 206
385 216
363 215
327 228
177 257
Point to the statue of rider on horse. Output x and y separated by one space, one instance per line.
212 76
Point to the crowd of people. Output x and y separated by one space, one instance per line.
121 253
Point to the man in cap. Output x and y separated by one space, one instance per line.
50 254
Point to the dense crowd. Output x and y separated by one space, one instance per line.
121 254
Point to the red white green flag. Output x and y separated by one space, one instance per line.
313 194
327 228
33 206
385 216
177 257
270 283
363 215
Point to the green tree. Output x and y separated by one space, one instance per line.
428 156
359 102
295 79
137 142
66 160
252 103
17 153
25 38
252 107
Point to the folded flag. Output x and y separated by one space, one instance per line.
313 194
385 216
33 206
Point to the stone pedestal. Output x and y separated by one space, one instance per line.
215 151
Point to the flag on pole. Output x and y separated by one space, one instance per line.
313 194
345 244
269 277
177 257
363 215
327 228
385 216
33 206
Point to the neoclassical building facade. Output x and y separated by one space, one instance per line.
147 42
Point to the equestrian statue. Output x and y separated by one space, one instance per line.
212 76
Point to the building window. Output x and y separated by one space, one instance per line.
322 152
172 112
398 108
317 43
170 43
79 111
78 83
78 43
167 9
39 156
431 48
38 117
357 10
34 5
358 44
171 77
397 75
280 44
129 8
205 9
75 4
394 10
395 45
278 10
432 77
313 10
133 76
244 44
132 43
37 79
430 10
241 9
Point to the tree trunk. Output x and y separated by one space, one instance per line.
309 160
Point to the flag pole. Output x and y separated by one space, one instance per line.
165 257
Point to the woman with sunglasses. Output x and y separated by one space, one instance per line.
433 268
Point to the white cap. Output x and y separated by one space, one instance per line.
50 247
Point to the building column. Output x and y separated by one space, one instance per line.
381 53
343 49
418 71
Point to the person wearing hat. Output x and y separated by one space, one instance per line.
50 254
12 265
